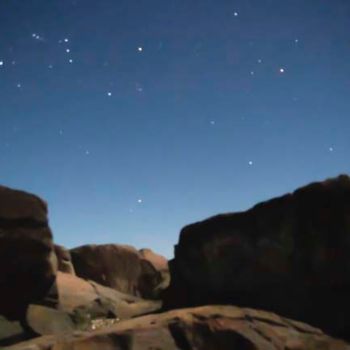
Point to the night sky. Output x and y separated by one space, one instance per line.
134 118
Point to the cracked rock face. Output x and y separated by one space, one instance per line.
204 328
289 255
27 262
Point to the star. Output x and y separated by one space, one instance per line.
19 85
235 14
250 162
109 93
70 60
330 149
296 41
139 201
66 40
68 50
60 132
281 70
212 122
87 152
1 63
140 49
252 73
50 66
259 60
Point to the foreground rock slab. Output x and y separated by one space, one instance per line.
289 255
202 328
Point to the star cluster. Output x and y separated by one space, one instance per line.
133 118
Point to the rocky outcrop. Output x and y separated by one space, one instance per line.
81 297
122 268
204 328
64 260
27 261
289 255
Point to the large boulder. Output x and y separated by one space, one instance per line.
27 261
120 267
204 328
289 255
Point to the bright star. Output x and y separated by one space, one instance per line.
250 162
109 93
139 201
282 70
140 49
235 14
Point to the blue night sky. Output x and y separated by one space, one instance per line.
134 118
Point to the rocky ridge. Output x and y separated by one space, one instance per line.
268 278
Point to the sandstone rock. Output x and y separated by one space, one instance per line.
27 262
44 320
10 332
289 255
89 300
122 268
160 264
64 259
204 328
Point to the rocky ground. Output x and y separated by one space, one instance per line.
274 277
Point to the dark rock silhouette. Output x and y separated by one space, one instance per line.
27 261
203 328
289 255
119 267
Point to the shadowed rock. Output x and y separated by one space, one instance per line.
289 255
88 297
204 328
27 262
122 268
64 260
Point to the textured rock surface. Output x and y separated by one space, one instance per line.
27 262
88 299
64 259
205 328
119 267
289 255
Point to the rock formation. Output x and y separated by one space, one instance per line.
204 328
27 261
64 260
288 255
122 268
